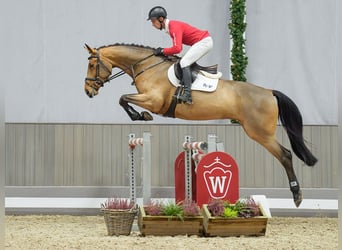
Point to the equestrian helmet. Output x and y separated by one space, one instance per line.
157 12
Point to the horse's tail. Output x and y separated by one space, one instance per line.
291 119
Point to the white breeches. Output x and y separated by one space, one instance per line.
196 52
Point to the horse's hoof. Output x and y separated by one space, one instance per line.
146 116
297 198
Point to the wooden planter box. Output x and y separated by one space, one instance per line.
218 226
164 225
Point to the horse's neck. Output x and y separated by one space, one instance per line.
124 56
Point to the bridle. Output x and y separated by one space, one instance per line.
131 67
99 63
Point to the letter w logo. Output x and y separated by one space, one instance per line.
217 181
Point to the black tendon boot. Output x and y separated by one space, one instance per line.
186 97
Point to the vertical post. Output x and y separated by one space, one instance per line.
211 143
131 165
188 172
146 169
2 167
339 89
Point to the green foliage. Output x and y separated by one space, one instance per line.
173 210
230 212
237 27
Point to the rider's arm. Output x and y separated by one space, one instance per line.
176 33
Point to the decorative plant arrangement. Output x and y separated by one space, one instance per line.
245 208
119 215
172 210
171 219
245 217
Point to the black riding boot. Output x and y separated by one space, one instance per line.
186 97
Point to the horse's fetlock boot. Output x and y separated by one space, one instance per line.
294 186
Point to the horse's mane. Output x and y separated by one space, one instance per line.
174 57
127 45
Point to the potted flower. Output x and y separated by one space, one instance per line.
119 215
171 219
245 217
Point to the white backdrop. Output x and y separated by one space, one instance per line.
291 47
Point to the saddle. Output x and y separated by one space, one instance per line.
195 69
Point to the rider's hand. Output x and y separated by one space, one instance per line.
158 52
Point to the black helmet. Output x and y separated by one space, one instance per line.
157 12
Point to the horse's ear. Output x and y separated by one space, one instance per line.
90 50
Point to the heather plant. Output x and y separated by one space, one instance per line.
190 208
154 208
118 204
251 209
216 207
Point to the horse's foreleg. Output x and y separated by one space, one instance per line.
132 113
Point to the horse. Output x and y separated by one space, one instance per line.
257 109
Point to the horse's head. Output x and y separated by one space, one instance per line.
99 69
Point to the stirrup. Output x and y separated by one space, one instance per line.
185 98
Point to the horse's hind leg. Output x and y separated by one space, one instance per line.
286 161
285 157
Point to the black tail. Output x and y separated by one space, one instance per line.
291 119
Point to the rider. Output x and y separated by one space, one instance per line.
182 33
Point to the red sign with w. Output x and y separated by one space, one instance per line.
217 177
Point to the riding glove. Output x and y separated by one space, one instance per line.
158 52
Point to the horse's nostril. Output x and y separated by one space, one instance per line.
88 93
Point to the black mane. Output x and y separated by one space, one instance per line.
174 57
125 44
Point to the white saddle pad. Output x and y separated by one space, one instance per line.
202 82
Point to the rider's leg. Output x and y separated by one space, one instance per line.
186 97
195 52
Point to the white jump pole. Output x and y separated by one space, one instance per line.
145 142
339 88
211 142
2 167
147 170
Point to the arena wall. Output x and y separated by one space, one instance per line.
97 154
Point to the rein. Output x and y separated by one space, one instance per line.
100 82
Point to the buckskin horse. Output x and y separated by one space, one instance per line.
257 109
